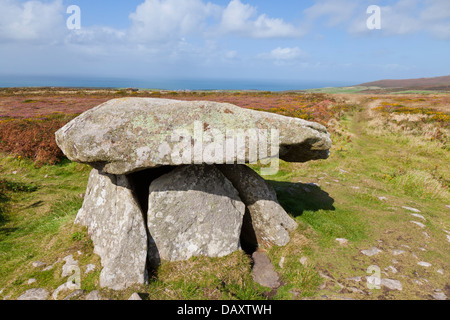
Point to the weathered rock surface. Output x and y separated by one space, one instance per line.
116 225
266 223
34 294
193 211
264 272
94 295
130 134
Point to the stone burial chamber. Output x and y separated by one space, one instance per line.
170 180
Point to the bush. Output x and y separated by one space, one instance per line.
33 138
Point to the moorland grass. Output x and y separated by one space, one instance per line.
334 198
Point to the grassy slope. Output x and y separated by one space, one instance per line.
38 220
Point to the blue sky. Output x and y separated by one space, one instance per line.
311 40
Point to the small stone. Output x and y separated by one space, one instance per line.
31 281
418 223
411 209
304 261
371 252
48 268
424 264
14 172
382 198
419 216
441 271
447 206
263 271
448 238
355 290
426 235
281 264
397 252
62 287
439 296
392 269
34 294
392 284
135 296
357 279
74 294
89 268
94 295
38 264
69 267
342 241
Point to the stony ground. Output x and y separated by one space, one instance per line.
374 223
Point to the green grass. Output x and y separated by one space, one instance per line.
334 198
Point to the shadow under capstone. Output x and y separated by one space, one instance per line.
296 198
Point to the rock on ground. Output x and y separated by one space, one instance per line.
392 284
127 135
38 264
266 223
116 225
193 211
264 272
74 294
342 241
94 295
69 267
34 294
371 252
135 296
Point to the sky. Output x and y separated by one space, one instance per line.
308 40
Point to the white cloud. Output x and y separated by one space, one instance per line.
399 17
165 20
242 20
336 11
283 56
31 20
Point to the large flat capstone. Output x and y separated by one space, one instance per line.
127 135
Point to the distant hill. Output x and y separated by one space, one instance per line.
437 83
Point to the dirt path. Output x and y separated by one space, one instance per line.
406 258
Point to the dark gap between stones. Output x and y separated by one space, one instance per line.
140 182
249 242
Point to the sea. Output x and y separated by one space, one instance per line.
7 81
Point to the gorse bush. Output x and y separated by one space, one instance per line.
33 138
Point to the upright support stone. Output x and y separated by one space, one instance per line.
116 225
268 219
193 211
